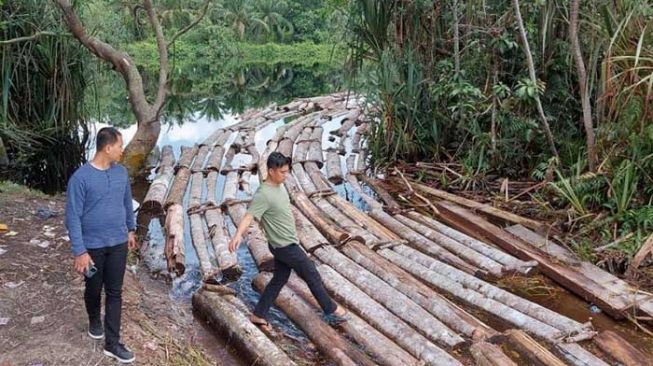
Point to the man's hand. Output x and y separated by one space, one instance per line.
82 262
235 243
131 242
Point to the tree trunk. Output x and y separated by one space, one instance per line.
389 324
532 351
509 262
398 303
533 77
227 261
245 336
156 194
323 336
381 348
582 85
201 249
333 167
488 354
4 158
174 247
421 243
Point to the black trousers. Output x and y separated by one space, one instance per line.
110 263
288 258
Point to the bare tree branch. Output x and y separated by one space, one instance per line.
163 56
120 60
199 18
29 38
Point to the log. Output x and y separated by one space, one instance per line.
576 355
174 247
451 315
345 222
395 301
487 354
391 205
196 184
198 163
558 321
569 277
178 189
302 145
471 297
214 162
508 261
642 253
229 158
218 289
381 348
230 187
227 262
256 241
187 156
167 157
421 243
330 230
156 194
250 146
199 242
285 147
361 161
333 168
316 176
355 185
386 322
315 148
469 255
250 341
480 207
245 186
308 235
214 137
530 350
362 219
302 178
324 337
347 123
619 349
211 189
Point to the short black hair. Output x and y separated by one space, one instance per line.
106 136
278 160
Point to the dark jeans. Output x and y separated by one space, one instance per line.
110 263
288 258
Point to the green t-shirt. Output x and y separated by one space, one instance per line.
271 207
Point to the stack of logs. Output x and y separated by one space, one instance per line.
403 275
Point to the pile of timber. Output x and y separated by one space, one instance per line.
402 275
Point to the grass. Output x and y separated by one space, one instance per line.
14 189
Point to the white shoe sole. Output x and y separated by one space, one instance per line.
94 336
121 360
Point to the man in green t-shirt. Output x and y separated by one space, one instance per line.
271 207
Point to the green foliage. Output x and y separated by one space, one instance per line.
42 118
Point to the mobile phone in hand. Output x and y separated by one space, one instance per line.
90 271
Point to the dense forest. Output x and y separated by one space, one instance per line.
556 92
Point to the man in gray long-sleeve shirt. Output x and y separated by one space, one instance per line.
101 226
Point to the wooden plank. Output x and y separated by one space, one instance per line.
488 354
570 278
619 349
528 348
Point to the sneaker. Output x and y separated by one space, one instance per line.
95 330
120 353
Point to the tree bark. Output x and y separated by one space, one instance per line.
323 336
381 348
174 247
247 338
386 322
592 158
533 77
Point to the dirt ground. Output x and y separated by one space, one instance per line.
42 316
